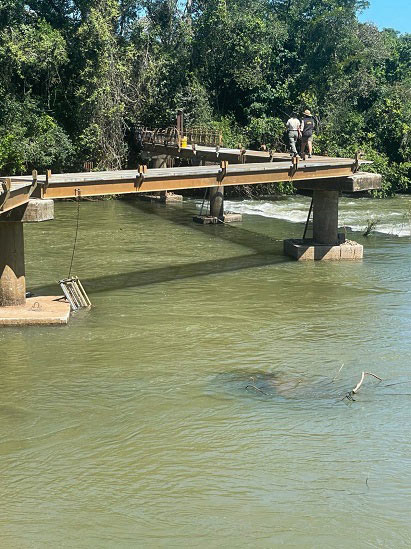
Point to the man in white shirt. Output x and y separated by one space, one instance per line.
293 129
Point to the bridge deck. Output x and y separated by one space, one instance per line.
323 174
216 154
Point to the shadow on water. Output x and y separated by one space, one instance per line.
268 253
134 279
232 233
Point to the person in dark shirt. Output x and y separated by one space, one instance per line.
307 129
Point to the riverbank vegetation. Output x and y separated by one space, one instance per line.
78 77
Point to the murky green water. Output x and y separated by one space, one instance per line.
195 405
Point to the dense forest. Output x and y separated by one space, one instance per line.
79 76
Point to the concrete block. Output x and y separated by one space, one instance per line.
211 220
169 198
347 252
352 250
310 251
359 251
232 218
206 220
327 253
37 311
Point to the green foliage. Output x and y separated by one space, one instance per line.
194 101
47 145
396 176
31 139
233 134
35 51
389 120
266 130
11 154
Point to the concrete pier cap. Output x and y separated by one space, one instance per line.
35 211
38 210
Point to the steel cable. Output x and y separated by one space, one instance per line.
76 234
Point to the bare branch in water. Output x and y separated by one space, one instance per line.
336 375
255 388
357 387
350 394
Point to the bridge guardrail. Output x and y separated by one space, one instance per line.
172 136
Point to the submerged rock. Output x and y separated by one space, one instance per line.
280 385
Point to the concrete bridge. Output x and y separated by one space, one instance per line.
25 199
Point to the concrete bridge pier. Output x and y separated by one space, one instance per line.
217 214
216 199
217 202
166 197
325 217
326 243
15 308
12 268
159 161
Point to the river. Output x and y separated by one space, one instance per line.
200 403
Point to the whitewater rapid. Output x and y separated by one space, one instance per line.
392 215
